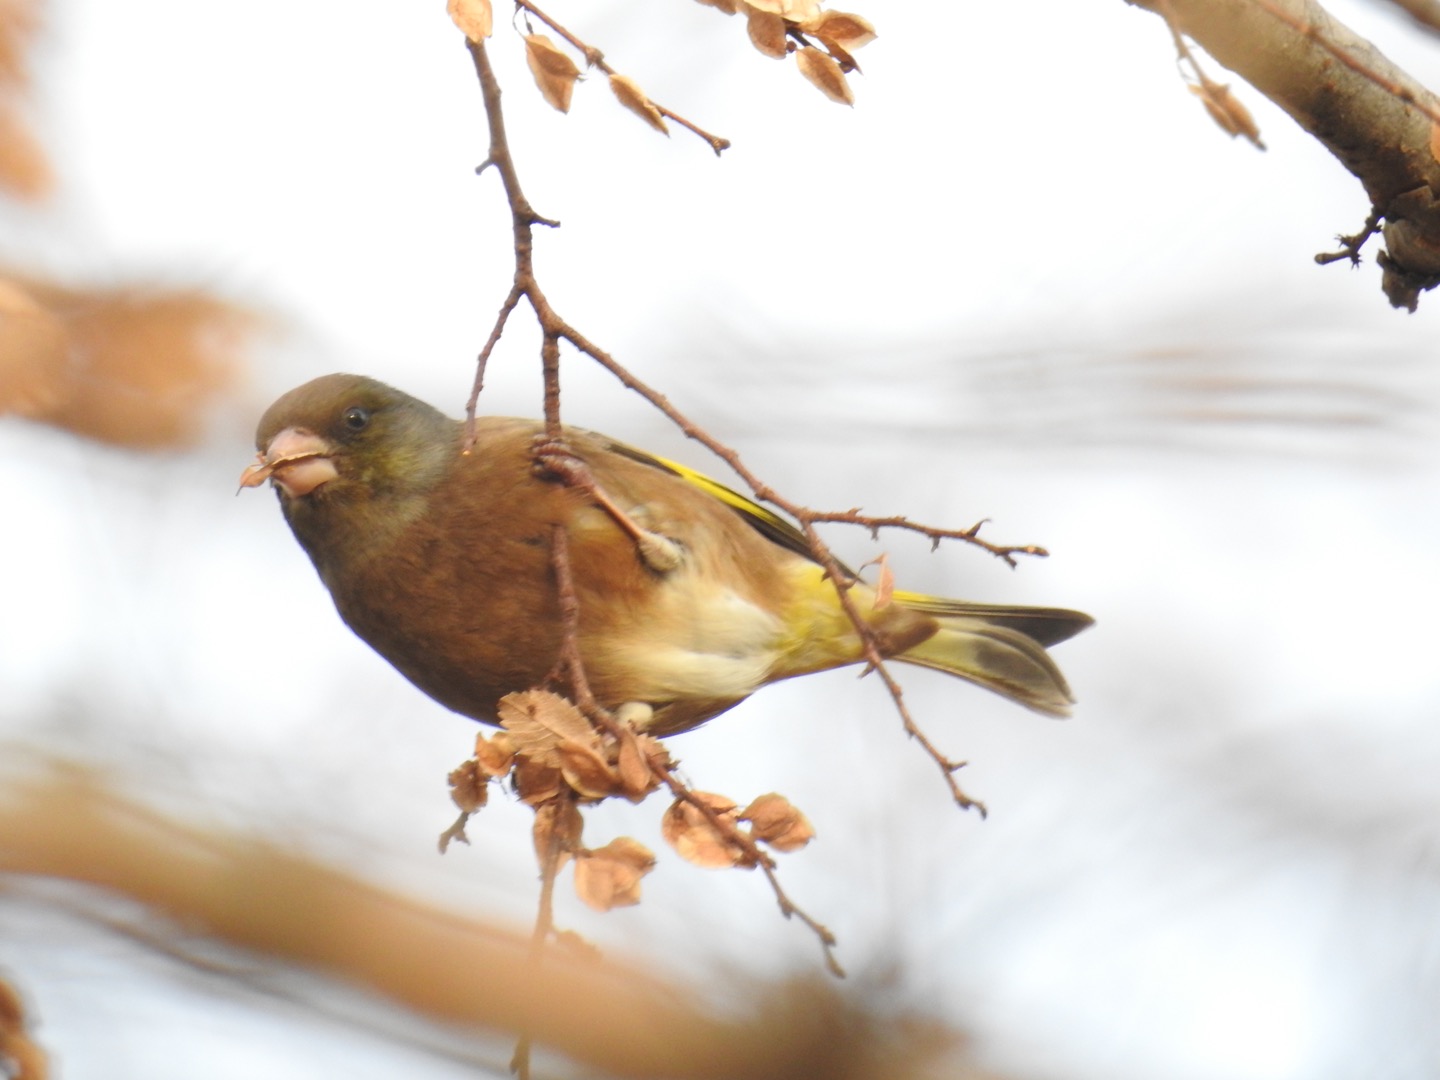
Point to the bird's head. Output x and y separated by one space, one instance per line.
346 438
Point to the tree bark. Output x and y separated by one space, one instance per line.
1374 117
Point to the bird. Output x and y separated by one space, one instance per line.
437 553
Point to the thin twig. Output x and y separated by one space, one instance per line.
540 936
1004 552
870 651
1213 93
483 359
570 671
550 368
1350 245
596 59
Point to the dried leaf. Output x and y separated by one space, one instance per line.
636 778
797 11
535 781
609 877
1227 111
778 823
496 754
695 839
538 720
557 829
473 17
586 771
658 756
555 73
767 32
633 98
469 787
848 31
825 73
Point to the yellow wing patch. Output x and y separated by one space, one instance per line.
765 521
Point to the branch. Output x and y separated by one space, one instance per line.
194 879
1004 552
807 518
570 670
1372 116
18 1050
596 59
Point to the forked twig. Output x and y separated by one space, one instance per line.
554 328
1350 245
806 518
569 670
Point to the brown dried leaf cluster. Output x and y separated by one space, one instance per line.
20 1057
823 41
555 760
704 829
24 170
551 743
130 366
556 75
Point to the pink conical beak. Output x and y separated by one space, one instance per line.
298 461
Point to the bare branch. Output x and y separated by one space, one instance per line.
1004 552
570 672
806 519
1372 116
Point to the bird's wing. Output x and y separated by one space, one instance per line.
766 522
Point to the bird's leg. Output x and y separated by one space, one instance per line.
554 458
636 714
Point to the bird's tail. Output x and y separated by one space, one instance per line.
998 647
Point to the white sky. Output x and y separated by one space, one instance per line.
1024 278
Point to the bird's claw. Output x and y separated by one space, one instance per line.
555 460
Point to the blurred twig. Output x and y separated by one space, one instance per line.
20 1056
610 1016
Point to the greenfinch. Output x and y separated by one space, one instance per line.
691 596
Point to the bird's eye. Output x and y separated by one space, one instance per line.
356 418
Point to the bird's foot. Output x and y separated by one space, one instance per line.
555 460
636 714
